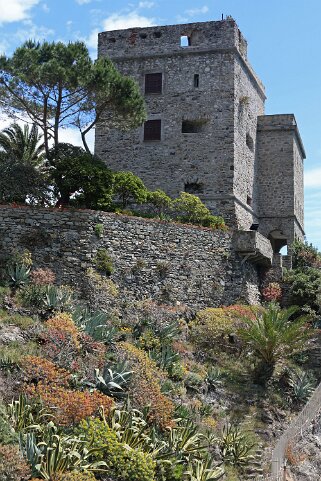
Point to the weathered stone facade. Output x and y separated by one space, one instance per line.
242 164
166 262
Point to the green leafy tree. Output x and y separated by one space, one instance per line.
57 85
159 201
22 182
304 280
81 178
129 188
23 144
273 337
191 209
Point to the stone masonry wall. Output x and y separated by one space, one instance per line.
165 262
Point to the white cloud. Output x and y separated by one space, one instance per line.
72 136
146 4
197 11
34 32
45 8
83 2
15 10
92 40
312 178
118 21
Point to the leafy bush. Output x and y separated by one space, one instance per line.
4 292
103 262
12 465
7 434
99 230
191 210
122 461
305 287
63 322
272 292
146 385
159 201
42 277
70 407
305 255
76 476
36 370
214 329
129 188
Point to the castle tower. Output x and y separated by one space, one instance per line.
203 102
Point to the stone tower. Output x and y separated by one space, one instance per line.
206 131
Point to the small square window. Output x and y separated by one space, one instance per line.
152 130
153 83
185 41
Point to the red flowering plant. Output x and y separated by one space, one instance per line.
272 292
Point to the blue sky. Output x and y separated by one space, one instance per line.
284 40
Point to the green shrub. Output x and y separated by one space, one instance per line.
99 230
129 188
7 434
103 262
122 462
4 292
12 465
190 209
159 201
212 329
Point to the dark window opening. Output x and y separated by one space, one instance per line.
152 130
231 167
249 201
185 41
193 126
157 34
249 142
153 83
112 40
196 81
143 35
194 187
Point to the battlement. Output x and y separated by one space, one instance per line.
169 39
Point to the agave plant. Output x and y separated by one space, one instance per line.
214 377
235 446
301 386
58 298
202 470
113 381
164 358
21 414
95 325
168 333
50 453
18 275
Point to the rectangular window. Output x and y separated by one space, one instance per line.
152 130
153 83
196 81
193 126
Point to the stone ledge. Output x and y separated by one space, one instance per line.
253 247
